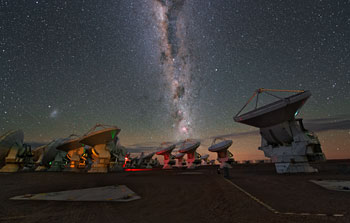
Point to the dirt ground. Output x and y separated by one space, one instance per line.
200 195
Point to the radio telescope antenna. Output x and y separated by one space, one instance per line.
284 139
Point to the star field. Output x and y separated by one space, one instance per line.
67 65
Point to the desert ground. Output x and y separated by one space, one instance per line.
252 193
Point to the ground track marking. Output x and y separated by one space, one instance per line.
12 218
268 207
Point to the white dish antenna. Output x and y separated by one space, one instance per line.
179 155
9 139
274 113
189 147
224 145
225 157
284 138
103 136
165 150
205 156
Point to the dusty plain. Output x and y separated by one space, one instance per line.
200 195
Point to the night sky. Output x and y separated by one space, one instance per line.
166 70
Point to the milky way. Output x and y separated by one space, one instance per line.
139 64
176 62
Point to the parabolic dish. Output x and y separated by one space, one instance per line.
276 112
42 147
220 146
11 137
179 155
38 151
205 156
8 139
168 149
51 150
189 147
100 137
149 156
70 145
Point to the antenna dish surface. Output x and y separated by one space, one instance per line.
9 139
189 147
179 155
70 145
205 156
51 150
149 156
220 146
274 113
100 137
168 149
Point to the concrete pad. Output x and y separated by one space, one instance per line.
338 185
119 193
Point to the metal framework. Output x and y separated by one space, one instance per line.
266 91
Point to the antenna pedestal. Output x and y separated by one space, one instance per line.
180 162
148 166
74 157
193 160
205 161
291 147
168 158
146 162
101 157
225 159
59 163
18 156
295 168
11 161
168 163
189 147
152 163
38 162
118 155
